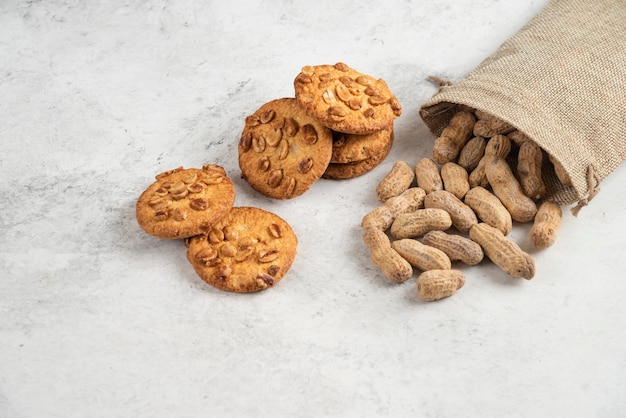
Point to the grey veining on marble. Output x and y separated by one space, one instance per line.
98 319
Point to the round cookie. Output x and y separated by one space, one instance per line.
338 171
346 100
349 148
185 202
282 150
249 250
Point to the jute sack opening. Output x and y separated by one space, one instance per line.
561 80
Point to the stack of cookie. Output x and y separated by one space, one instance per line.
338 126
238 249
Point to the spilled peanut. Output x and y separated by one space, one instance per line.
415 224
422 256
497 146
427 175
506 187
504 253
438 284
383 216
455 179
529 162
393 266
475 184
453 137
471 153
395 182
456 247
547 223
489 208
462 216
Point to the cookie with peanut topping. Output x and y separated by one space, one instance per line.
349 148
185 202
282 150
344 171
249 250
346 100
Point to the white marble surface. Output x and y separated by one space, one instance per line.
98 319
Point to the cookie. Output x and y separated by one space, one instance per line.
249 250
348 148
346 100
185 202
282 150
339 171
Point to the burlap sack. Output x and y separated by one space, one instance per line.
562 81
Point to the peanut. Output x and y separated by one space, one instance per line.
489 208
396 181
471 153
489 126
422 256
504 253
547 222
455 179
529 161
438 284
408 201
506 187
518 137
481 114
463 217
382 217
415 224
497 146
560 172
427 175
392 265
448 145
457 247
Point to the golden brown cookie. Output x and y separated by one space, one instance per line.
185 202
282 150
349 148
346 100
249 250
338 171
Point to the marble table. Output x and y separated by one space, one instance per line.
99 319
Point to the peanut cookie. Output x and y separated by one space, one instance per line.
249 250
346 100
349 148
339 171
185 202
282 150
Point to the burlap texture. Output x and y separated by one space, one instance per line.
561 80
